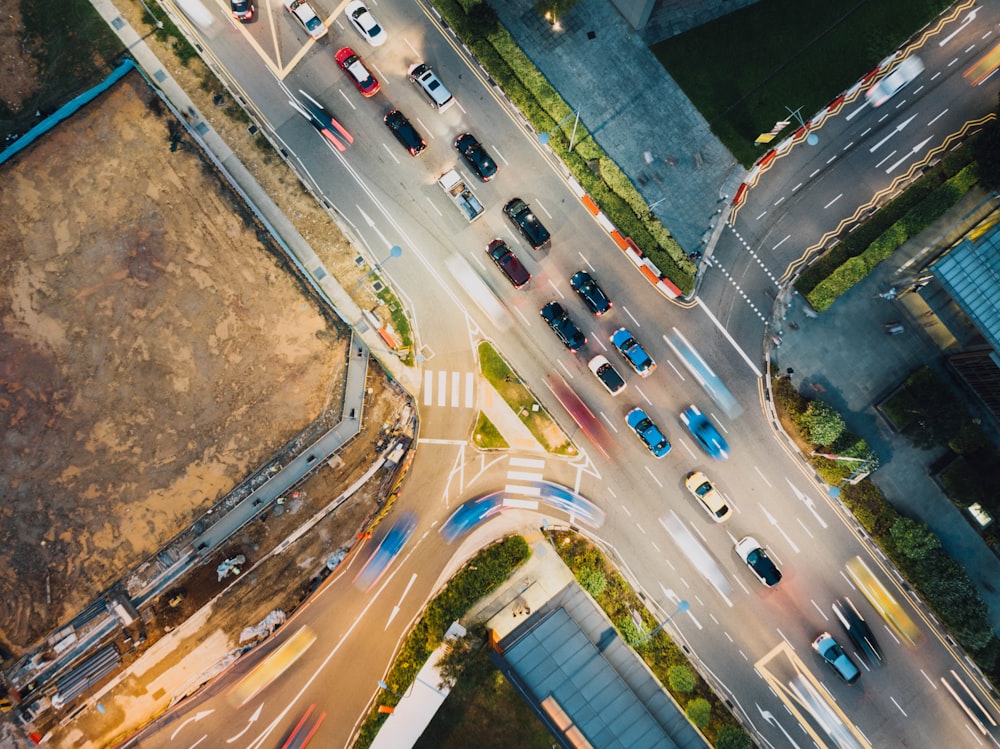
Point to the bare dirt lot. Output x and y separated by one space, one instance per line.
152 351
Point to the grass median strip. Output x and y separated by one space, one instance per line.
521 400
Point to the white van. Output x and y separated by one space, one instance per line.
422 75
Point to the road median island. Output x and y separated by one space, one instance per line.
522 403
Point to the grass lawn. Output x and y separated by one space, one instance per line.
742 70
487 435
484 711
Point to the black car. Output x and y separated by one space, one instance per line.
243 10
405 132
507 261
528 224
476 157
557 319
591 294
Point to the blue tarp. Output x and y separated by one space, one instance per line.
66 110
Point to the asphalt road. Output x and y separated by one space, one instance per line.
391 199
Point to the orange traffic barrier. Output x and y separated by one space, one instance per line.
619 239
590 204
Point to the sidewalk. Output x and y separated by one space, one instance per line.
845 357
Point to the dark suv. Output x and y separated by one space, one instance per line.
591 294
405 132
528 224
557 319
507 262
476 157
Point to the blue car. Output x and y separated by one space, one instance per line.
705 433
648 432
633 353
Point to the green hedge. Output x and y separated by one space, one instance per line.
488 569
853 260
544 108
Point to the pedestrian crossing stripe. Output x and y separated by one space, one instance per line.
450 390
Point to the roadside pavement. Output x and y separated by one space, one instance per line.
845 357
636 113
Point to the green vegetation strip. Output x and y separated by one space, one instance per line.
487 436
520 399
915 550
855 269
488 569
667 661
477 25
400 322
742 70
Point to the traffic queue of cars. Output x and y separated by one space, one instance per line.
535 234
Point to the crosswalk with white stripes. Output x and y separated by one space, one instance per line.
517 495
449 389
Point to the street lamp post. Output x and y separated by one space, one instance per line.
544 138
396 251
682 606
386 687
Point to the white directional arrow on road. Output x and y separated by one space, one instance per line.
807 501
769 717
897 129
395 609
916 149
774 521
196 717
253 719
965 22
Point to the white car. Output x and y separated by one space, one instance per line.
607 374
362 19
889 86
758 561
708 496
304 14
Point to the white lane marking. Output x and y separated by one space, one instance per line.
530 491
597 339
470 390
763 477
456 379
677 371
540 205
632 316
584 259
431 204
891 154
442 387
943 113
808 532
820 610
834 200
556 288
390 152
897 705
929 679
526 321
520 504
774 521
653 476
347 99
626 511
732 341
655 547
610 423
637 525
566 370
497 151
787 237
643 395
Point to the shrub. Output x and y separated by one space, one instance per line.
870 507
913 539
681 679
733 737
822 422
630 633
699 711
592 580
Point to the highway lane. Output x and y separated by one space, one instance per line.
632 487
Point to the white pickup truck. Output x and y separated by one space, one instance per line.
305 15
461 195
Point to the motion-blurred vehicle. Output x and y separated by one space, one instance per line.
360 76
705 433
633 353
708 496
831 652
758 561
591 294
859 632
362 19
322 120
891 85
303 731
387 550
647 432
607 374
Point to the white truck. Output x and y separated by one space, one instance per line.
461 195
305 15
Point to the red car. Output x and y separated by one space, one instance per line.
348 60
